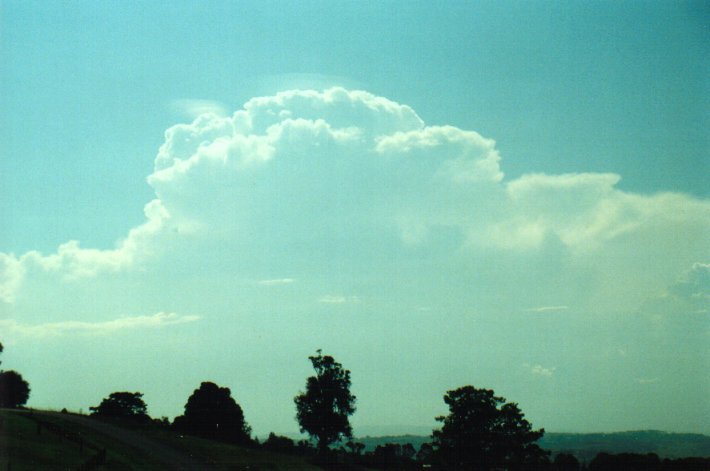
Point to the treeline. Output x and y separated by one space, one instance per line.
482 431
399 457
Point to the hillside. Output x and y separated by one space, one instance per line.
31 440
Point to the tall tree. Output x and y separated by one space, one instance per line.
323 409
125 405
211 412
483 432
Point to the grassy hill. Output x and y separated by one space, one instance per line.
31 440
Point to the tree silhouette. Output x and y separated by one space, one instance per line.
565 462
125 405
323 410
14 391
211 412
478 434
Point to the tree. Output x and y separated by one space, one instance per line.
211 412
14 390
479 435
565 462
355 448
279 444
124 405
323 410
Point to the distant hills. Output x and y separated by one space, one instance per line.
585 446
666 445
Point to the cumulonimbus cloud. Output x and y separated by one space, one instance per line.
354 168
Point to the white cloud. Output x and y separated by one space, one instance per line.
547 309
277 282
337 299
12 273
539 370
192 108
322 174
52 329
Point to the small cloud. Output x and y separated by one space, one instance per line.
547 309
192 108
539 370
334 299
647 380
276 282
53 329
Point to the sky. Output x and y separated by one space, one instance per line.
507 194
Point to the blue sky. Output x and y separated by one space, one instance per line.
506 194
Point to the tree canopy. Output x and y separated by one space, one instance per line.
14 390
323 409
126 405
211 412
483 432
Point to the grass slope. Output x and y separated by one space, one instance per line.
52 441
33 440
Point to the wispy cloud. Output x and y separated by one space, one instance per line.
539 370
336 299
192 108
547 309
647 380
276 282
52 329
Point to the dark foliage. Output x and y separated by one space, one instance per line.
124 405
279 444
355 448
646 462
565 462
585 446
212 413
323 410
625 462
483 432
393 456
14 390
686 464
425 453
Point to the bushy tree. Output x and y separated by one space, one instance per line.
211 412
14 390
279 444
483 432
124 405
323 409
565 462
